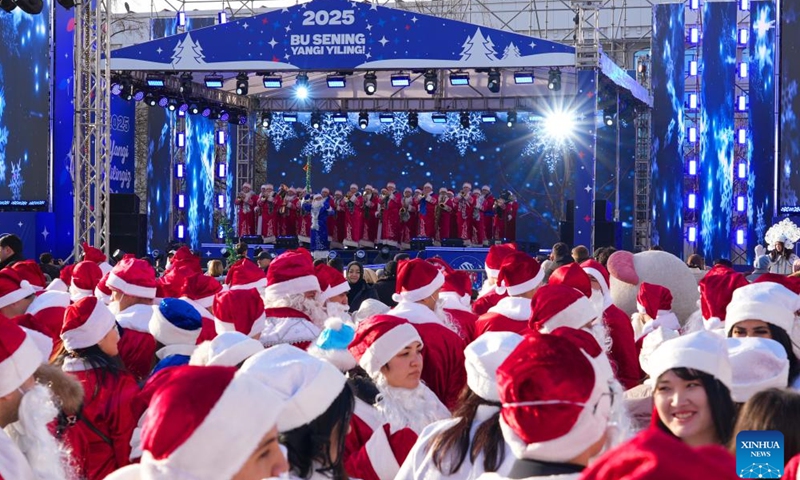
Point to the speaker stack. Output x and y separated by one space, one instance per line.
607 233
128 227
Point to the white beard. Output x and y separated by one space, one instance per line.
298 301
620 428
44 454
337 310
402 407
600 334
598 302
446 318
114 307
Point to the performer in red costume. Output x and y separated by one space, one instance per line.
353 206
337 223
407 218
520 276
427 212
390 205
270 203
487 213
303 217
488 297
246 203
287 212
478 229
370 202
443 216
465 205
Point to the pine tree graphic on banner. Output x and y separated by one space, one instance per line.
478 46
188 53
511 51
330 143
16 181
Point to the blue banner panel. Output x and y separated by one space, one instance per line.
668 126
24 110
789 165
123 120
581 165
23 225
761 175
716 128
341 35
159 177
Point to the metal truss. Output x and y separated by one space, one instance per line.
92 141
587 36
643 196
221 182
200 92
432 104
691 150
178 156
741 159
245 153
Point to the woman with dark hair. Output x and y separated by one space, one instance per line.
104 426
360 290
781 256
470 443
692 397
772 409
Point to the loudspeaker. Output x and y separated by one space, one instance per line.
124 203
608 234
569 212
453 242
420 243
602 211
252 239
129 244
567 232
287 243
128 224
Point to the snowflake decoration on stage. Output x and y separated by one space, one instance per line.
279 131
760 470
399 128
16 181
3 138
462 137
543 144
331 142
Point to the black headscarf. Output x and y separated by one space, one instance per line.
359 286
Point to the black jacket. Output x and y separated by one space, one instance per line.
385 289
356 298
11 260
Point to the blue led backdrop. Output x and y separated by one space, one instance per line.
789 165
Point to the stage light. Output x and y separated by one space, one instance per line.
266 118
741 103
224 115
116 83
242 117
163 101
692 201
694 35
301 86
554 79
413 120
693 68
221 201
221 170
740 203
523 78
172 104
183 107
438 118
740 237
214 81
150 99
692 134
221 137
743 68
155 81
493 83
692 101
316 120
511 119
181 201
743 37
459 79
181 18
692 167
692 234
271 81
744 5
742 134
609 120
180 231
336 81
488 118
222 17
289 117
370 83
694 4
139 94
126 89
194 109
181 113
340 117
363 120
386 117
401 80
431 81
186 84
464 119
742 170
206 112
180 139
180 170
242 84
559 125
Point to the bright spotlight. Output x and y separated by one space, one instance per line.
301 92
559 125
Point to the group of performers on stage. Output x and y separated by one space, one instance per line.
368 218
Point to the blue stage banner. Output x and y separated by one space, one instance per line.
123 119
581 168
761 175
337 34
716 129
668 83
159 178
789 165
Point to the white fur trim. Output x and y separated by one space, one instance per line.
452 301
19 366
523 287
245 402
105 267
128 288
222 327
600 279
49 299
259 284
178 349
106 299
387 346
168 334
341 359
331 292
492 273
380 454
416 313
57 285
576 315
714 323
306 283
666 318
226 350
258 325
97 326
515 308
420 293
773 313
136 317
279 330
76 293
206 302
25 290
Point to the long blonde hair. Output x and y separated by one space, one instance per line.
214 268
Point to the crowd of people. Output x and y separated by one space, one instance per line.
356 219
293 369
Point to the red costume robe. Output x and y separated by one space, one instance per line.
511 221
341 224
46 315
353 210
464 206
369 233
408 221
624 356
246 204
487 216
486 301
464 321
287 220
499 221
269 205
478 227
444 218
304 221
511 314
427 216
287 325
137 347
371 450
390 220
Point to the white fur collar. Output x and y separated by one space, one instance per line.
136 317
203 311
451 301
288 330
416 313
49 299
515 308
168 350
72 364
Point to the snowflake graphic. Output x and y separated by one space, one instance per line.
760 470
399 128
548 147
330 142
3 138
279 131
16 181
462 137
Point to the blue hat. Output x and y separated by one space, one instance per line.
175 322
332 343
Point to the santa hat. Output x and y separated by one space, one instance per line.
227 349
519 273
466 184
307 384
239 311
19 356
30 271
599 273
247 184
703 351
332 343
102 291
245 274
62 283
656 302
391 184
442 265
369 308
185 258
193 439
556 306
86 322
457 283
85 278
757 364
175 322
201 289
13 288
652 341
416 280
494 259
291 272
769 302
331 282
133 277
716 290
574 276
555 399
483 357
378 339
792 283
353 185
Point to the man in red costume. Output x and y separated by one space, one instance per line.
246 201
269 203
336 224
464 205
353 209
370 203
443 216
488 297
287 220
427 212
408 216
478 229
304 217
487 213
520 276
390 206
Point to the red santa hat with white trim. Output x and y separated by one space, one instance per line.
656 302
457 285
600 274
210 437
556 306
239 311
201 289
331 282
227 349
19 356
86 322
716 291
494 259
519 273
704 351
245 274
574 276
85 278
483 357
32 272
378 339
290 273
61 284
92 254
133 277
13 288
102 291
416 280
554 395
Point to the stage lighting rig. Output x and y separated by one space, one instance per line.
609 120
301 86
400 80
511 119
155 81
439 118
316 120
370 83
194 109
459 79
363 120
266 118
464 119
116 82
493 83
336 81
138 94
413 120
224 115
213 81
554 79
126 88
290 117
340 117
271 81
523 78
431 81
186 84
386 117
206 111
172 105
488 118
150 99
242 84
